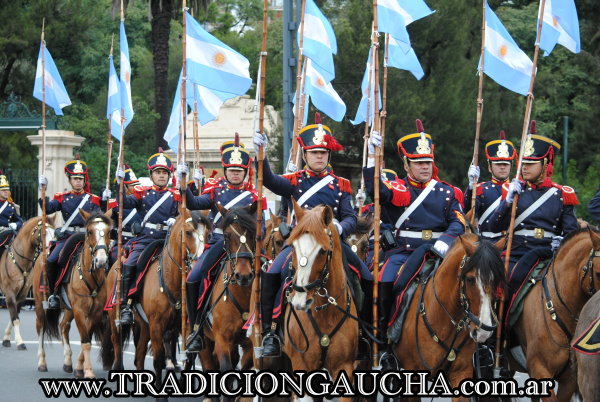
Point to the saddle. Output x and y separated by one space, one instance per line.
68 256
5 239
426 264
150 253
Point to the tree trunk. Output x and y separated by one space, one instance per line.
161 28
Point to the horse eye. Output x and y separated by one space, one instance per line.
279 243
471 280
321 252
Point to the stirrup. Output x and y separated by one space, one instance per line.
195 342
388 362
126 315
271 345
53 302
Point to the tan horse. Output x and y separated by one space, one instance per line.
318 331
274 240
161 298
546 325
454 306
230 299
16 265
359 239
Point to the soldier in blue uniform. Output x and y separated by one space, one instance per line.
423 209
500 155
68 203
545 210
10 220
234 190
594 206
313 186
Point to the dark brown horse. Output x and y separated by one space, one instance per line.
16 265
359 239
588 365
551 308
454 306
230 299
160 297
274 240
319 332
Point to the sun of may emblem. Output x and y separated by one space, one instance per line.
502 150
219 58
318 137
236 157
78 168
161 160
423 145
529 149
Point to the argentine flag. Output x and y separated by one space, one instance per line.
125 72
504 61
55 93
319 43
560 25
368 95
403 56
113 105
322 94
213 64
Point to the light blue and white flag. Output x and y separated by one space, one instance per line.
505 62
55 93
322 94
213 64
368 95
319 43
125 73
393 19
113 105
560 25
403 56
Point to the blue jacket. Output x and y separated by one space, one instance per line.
487 193
9 214
68 202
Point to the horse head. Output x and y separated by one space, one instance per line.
239 232
481 277
195 228
275 239
359 239
314 242
595 253
97 238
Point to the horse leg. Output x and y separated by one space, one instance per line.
567 386
7 334
247 358
141 346
39 327
79 366
348 367
462 368
158 352
65 327
223 347
85 332
87 360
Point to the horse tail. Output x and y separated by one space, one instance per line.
102 334
125 335
51 317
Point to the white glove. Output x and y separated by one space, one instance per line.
473 175
119 175
170 221
374 141
291 167
441 247
43 181
360 197
556 240
106 194
198 174
515 187
338 227
259 140
13 226
182 168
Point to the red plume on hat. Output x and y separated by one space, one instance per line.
318 118
236 140
502 135
332 143
532 128
419 124
160 150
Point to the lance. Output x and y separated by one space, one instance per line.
109 139
377 206
300 77
513 210
259 212
383 113
367 120
196 141
479 114
183 206
43 186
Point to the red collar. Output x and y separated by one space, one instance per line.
417 184
499 182
311 173
232 187
547 182
155 187
78 192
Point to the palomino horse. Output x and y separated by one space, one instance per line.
274 239
359 239
319 332
230 299
15 269
588 365
551 308
452 306
160 297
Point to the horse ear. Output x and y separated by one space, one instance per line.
297 210
222 210
84 214
50 219
273 218
327 215
500 244
253 208
595 238
108 213
468 246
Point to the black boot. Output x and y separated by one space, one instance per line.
269 285
52 272
366 315
195 341
385 296
128 278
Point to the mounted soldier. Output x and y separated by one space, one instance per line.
10 220
234 190
545 210
500 155
313 186
68 203
424 211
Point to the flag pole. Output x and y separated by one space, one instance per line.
259 212
377 206
383 114
181 157
43 186
511 227
366 134
109 139
479 113
300 74
196 137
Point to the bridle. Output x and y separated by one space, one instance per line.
232 257
321 280
93 290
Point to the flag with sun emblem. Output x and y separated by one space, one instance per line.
561 25
213 64
368 95
125 72
113 104
322 94
56 95
504 61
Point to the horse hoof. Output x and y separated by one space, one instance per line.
6 343
78 373
68 368
91 375
43 368
106 368
21 347
117 366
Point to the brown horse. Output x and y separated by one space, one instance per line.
551 308
359 239
452 309
274 239
16 265
230 298
160 297
588 365
319 332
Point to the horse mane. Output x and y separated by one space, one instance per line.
488 262
311 222
99 215
576 232
364 224
241 216
200 219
